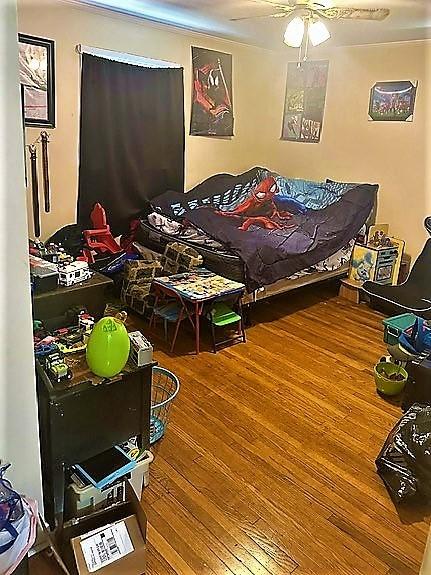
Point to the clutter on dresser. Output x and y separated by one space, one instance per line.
51 266
49 251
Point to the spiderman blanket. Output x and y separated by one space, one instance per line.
277 226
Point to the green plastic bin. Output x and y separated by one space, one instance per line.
395 325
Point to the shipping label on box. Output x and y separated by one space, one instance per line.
106 546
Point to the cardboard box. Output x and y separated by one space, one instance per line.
132 563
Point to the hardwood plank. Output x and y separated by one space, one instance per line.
267 467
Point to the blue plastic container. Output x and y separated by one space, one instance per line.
395 325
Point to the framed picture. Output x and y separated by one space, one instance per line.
304 102
392 101
36 72
212 107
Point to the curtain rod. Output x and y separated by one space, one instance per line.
125 57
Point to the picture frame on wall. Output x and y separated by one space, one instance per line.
37 80
392 101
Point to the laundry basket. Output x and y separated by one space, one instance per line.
164 389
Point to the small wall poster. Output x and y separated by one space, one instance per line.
304 103
212 108
392 101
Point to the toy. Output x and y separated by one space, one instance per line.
85 322
50 252
73 273
56 367
141 350
44 349
44 274
99 239
72 348
108 346
375 264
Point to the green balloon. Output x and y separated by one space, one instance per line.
108 347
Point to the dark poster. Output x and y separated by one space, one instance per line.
305 101
212 109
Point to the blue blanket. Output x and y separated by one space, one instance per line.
278 226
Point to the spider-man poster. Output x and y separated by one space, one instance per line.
212 109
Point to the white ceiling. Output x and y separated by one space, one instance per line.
408 20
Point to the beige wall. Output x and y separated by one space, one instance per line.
69 26
393 154
351 149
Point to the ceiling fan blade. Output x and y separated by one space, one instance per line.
285 7
275 15
354 13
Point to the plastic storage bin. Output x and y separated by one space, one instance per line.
140 476
395 325
85 500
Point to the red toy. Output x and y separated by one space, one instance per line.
99 239
259 209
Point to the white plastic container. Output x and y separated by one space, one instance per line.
141 473
85 500
141 350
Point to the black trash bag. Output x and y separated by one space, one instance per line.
404 463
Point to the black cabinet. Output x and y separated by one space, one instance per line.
84 416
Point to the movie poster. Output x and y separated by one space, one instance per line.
392 101
305 101
212 109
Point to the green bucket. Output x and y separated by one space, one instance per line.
382 372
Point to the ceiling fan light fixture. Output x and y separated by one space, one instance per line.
294 32
318 33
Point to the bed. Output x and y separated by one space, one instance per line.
267 231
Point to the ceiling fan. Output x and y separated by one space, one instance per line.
307 20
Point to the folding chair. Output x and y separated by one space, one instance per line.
222 315
171 308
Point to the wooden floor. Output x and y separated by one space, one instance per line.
268 464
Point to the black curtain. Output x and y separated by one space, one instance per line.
131 138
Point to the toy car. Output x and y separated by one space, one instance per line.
44 349
56 367
85 321
73 273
